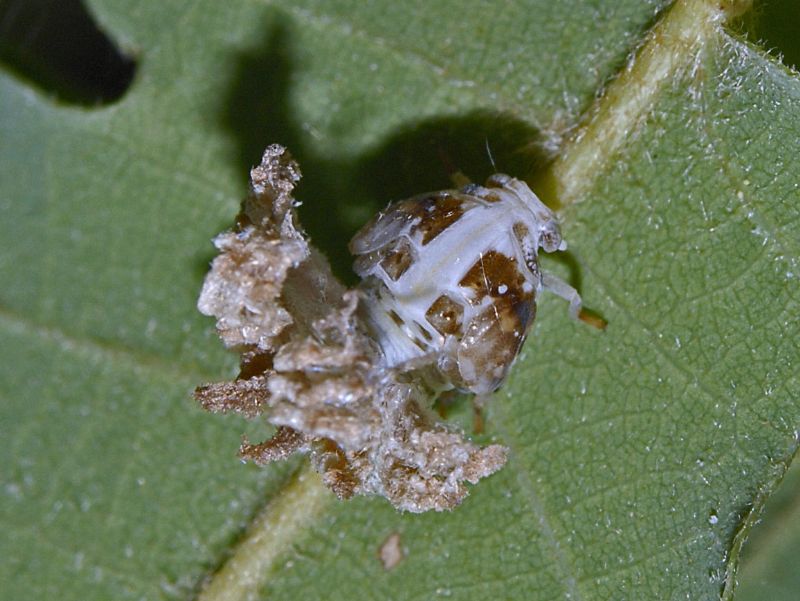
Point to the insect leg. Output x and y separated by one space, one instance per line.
479 401
560 288
456 176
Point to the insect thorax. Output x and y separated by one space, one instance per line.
450 279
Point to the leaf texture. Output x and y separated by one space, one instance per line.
638 455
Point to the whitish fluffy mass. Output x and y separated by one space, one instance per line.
309 367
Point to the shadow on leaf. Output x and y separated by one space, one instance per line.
414 159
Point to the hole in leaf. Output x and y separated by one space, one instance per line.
57 46
774 25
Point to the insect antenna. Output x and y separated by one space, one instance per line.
489 152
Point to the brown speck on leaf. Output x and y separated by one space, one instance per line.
309 369
391 551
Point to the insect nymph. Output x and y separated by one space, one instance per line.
451 279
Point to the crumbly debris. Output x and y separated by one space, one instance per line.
309 368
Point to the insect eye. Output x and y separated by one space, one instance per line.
550 238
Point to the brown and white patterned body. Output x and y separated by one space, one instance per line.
450 279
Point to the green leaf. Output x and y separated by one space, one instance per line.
639 455
769 560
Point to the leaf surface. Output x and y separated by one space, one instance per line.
637 454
